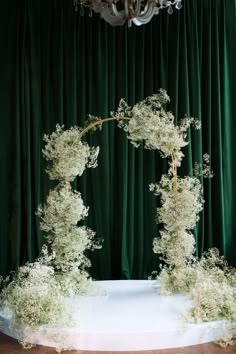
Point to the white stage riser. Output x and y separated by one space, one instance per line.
131 316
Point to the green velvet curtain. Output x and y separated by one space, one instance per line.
56 67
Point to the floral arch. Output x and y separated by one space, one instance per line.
34 295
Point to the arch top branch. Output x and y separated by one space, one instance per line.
98 122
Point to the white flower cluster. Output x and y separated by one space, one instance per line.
64 208
211 286
214 291
69 156
74 282
176 280
229 337
68 242
175 247
212 300
178 214
151 123
203 169
179 208
34 298
69 250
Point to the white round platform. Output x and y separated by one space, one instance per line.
131 316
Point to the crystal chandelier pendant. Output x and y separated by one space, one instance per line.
119 12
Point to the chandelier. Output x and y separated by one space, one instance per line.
117 12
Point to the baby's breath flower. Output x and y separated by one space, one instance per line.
63 208
93 119
203 169
151 123
69 156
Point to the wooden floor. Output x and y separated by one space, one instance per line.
11 346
